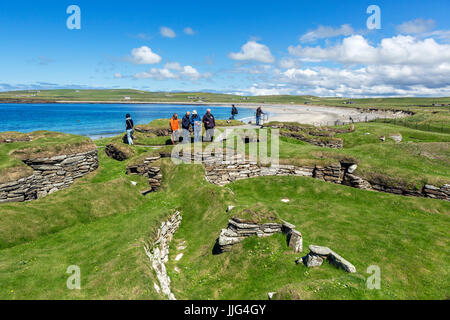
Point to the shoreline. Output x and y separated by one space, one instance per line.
317 115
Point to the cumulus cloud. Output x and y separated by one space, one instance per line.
118 75
396 50
173 66
397 66
323 32
190 72
287 63
173 70
144 55
416 26
157 74
189 31
167 32
253 51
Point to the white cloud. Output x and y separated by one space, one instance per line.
173 66
323 32
144 55
167 32
397 50
397 66
157 74
287 63
416 26
253 51
173 70
190 73
189 31
117 75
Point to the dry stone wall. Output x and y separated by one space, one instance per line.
149 169
339 173
49 175
158 252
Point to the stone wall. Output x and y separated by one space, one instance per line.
222 174
238 230
318 254
158 253
340 173
147 168
49 175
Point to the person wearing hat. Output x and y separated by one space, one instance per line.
196 123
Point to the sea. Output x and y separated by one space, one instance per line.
99 120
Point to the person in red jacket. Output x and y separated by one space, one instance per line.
175 127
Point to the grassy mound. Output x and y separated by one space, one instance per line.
102 221
41 144
258 214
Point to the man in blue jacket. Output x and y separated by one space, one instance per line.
185 124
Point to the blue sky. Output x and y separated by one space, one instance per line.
245 47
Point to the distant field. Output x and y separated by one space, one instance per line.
146 96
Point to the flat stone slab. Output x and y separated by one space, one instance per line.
330 255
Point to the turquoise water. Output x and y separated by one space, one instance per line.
97 120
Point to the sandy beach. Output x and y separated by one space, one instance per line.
306 114
322 115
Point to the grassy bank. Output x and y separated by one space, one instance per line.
101 222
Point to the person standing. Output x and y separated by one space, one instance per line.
129 128
234 112
175 128
185 125
196 124
210 124
259 113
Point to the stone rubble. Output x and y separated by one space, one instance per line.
148 169
49 175
238 230
318 255
158 252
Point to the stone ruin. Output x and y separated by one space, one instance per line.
158 253
239 229
50 174
317 255
115 153
147 168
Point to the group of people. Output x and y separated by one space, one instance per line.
193 120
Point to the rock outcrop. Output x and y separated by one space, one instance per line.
158 252
49 175
317 255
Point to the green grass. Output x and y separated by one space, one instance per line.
406 237
102 221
